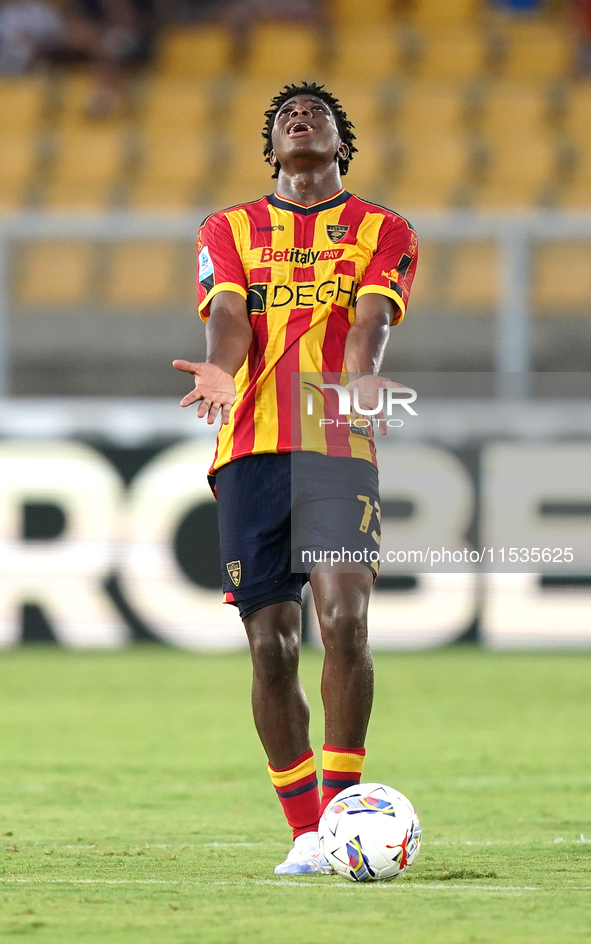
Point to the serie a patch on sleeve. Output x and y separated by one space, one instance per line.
205 264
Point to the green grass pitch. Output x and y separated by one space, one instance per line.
135 804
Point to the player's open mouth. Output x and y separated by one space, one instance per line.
300 127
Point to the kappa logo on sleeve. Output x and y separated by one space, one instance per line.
234 569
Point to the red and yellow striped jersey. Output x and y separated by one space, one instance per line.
301 270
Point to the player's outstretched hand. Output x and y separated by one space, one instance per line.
215 390
368 387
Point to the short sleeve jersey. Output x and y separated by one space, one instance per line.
301 270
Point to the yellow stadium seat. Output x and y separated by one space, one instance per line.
247 176
514 109
426 287
87 165
18 153
195 53
174 166
432 173
519 171
175 104
55 273
144 273
354 13
573 262
246 115
281 52
373 52
437 13
473 282
244 183
366 169
460 53
537 51
577 194
577 125
21 102
74 97
430 108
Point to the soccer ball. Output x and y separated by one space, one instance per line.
370 833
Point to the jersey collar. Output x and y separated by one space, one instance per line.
341 197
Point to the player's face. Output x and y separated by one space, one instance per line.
305 127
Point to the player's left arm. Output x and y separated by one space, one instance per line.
368 335
381 302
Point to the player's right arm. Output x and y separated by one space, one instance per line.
221 293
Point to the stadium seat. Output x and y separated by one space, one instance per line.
74 96
353 13
537 51
519 173
244 183
21 103
432 173
281 52
247 102
18 153
460 53
363 106
426 288
473 283
438 13
174 104
514 108
87 165
429 108
376 52
577 193
366 171
195 53
573 261
577 125
55 273
172 168
144 273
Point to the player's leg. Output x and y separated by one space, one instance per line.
339 521
341 601
279 705
281 718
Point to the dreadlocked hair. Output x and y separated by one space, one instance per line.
344 126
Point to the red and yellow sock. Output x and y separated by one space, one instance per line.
341 768
297 790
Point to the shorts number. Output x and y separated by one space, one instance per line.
367 513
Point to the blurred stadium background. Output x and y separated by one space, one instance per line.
122 125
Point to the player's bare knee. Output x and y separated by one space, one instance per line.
344 633
275 654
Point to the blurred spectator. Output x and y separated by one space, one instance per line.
242 14
582 11
111 34
192 11
519 7
29 29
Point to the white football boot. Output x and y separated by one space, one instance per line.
305 858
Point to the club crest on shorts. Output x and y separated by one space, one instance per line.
336 231
234 569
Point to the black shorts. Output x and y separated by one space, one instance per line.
281 515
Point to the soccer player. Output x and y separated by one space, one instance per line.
308 279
